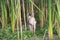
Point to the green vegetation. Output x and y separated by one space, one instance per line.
14 19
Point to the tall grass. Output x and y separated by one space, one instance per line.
36 6
27 8
2 7
31 8
12 16
23 7
40 2
5 15
58 13
15 11
19 17
50 30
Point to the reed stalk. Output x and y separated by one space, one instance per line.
12 16
50 30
